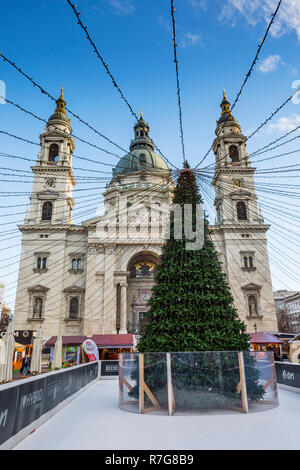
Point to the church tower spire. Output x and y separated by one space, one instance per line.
229 146
141 135
233 178
51 198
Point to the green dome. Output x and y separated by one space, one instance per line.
140 159
59 117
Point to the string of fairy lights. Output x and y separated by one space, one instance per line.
248 74
87 203
177 80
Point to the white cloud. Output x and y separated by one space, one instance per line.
254 11
122 7
285 124
164 23
270 63
199 4
189 39
183 39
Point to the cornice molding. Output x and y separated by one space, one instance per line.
240 228
51 228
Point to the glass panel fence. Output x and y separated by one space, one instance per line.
260 380
197 381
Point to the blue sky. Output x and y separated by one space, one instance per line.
217 42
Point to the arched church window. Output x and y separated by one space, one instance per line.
47 211
38 307
241 210
74 307
245 262
234 153
53 153
142 133
250 262
252 305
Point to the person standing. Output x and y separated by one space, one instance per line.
25 365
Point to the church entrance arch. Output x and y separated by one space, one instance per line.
141 270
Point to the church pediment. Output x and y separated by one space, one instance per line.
240 194
93 221
38 288
251 286
74 288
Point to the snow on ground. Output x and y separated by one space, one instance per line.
94 421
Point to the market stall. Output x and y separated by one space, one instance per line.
266 341
285 348
110 346
23 347
72 353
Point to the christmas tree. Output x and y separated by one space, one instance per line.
192 310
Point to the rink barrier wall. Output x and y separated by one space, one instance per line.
109 369
195 382
288 376
28 403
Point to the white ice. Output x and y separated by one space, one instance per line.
94 421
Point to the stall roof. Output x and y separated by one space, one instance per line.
103 341
122 341
284 336
264 337
66 340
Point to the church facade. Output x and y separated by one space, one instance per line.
96 277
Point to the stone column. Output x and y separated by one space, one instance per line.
109 301
123 308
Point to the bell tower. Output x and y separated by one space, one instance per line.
239 234
51 201
233 181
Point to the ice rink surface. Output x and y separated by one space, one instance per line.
94 421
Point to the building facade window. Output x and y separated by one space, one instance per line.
247 260
76 264
234 153
53 153
74 303
41 261
74 307
241 211
142 159
47 210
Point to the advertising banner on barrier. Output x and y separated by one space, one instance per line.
288 374
91 350
8 410
30 403
23 403
53 395
109 368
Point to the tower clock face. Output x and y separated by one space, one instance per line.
238 183
50 183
